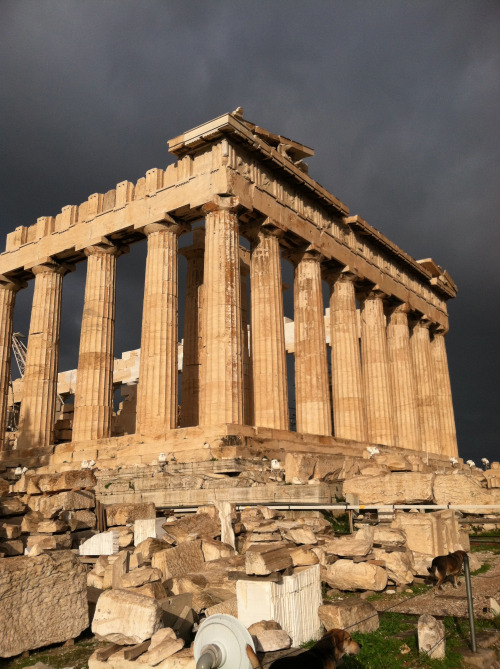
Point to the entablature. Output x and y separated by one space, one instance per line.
230 156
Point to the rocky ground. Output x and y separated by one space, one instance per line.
150 577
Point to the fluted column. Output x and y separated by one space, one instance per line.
375 367
8 290
349 420
36 419
447 430
157 399
248 412
404 392
94 382
424 376
222 388
268 332
312 394
190 412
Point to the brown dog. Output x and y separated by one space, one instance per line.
325 654
444 566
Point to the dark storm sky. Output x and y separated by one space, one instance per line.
400 100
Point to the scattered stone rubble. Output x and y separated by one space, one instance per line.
150 579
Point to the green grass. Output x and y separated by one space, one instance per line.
383 648
340 524
485 549
488 624
482 569
488 533
57 656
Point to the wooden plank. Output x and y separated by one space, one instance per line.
243 576
135 651
377 563
362 558
102 654
87 559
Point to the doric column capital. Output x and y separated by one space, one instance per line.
10 284
308 254
271 227
403 308
105 247
52 267
440 330
396 309
197 248
423 321
373 293
333 275
221 203
255 231
167 223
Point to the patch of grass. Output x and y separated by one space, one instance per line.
482 569
487 624
340 524
476 548
376 596
487 533
307 644
381 649
420 588
395 646
58 656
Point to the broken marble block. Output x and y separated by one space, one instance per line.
104 543
124 617
43 600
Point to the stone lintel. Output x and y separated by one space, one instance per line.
331 247
185 197
364 228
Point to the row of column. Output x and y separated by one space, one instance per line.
393 391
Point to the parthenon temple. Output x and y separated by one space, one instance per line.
370 366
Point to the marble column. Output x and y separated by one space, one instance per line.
8 290
157 392
375 367
94 382
36 419
404 392
424 377
347 384
447 430
248 411
312 393
222 388
268 332
191 362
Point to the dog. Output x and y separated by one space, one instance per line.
444 566
325 654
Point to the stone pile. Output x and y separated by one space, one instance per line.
153 578
46 512
185 557
396 478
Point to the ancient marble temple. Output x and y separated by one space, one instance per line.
384 382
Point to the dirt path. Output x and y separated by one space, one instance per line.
451 601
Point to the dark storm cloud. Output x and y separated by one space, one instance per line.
400 101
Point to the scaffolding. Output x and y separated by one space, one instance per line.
19 351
